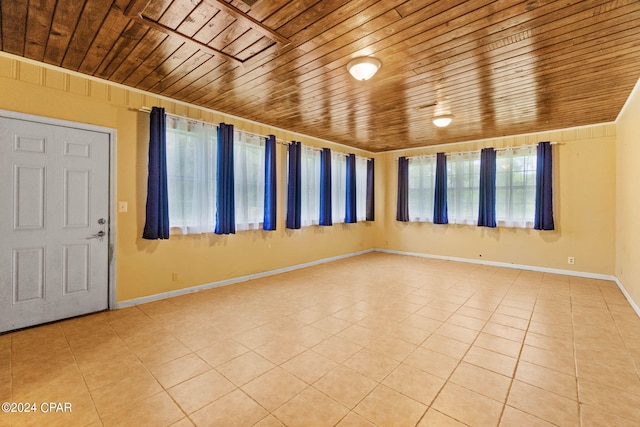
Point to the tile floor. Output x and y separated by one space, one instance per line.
378 339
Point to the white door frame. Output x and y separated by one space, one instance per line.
112 183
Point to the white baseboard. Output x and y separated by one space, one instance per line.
505 264
628 297
164 295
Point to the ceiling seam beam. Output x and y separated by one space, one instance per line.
254 23
134 12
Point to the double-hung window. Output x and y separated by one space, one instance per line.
422 182
463 187
516 187
310 186
249 166
191 175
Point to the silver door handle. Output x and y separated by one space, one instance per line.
99 235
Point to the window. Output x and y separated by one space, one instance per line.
249 165
516 187
191 175
310 186
422 182
463 187
361 189
338 187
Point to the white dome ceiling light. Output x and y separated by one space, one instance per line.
364 67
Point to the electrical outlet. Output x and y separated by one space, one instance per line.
174 277
571 260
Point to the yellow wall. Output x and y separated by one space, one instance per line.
584 199
628 196
584 177
146 267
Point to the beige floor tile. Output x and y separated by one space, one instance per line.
512 417
244 368
548 379
481 381
386 407
199 391
410 334
414 383
508 332
548 343
432 362
549 406
558 360
609 400
184 422
112 398
331 324
371 364
392 347
448 346
422 322
232 410
466 321
358 335
221 352
474 312
594 417
308 336
269 421
274 388
256 337
155 410
354 420
345 386
498 344
179 370
467 406
491 360
511 321
434 418
309 366
279 350
311 408
458 333
307 316
337 349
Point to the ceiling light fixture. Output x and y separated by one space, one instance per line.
364 67
442 120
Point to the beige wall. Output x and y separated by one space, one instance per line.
146 267
584 199
584 183
628 196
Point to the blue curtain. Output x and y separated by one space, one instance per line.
294 195
325 187
370 191
487 205
350 214
270 188
544 189
156 225
440 210
402 213
225 195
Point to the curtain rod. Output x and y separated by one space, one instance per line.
477 151
278 141
148 110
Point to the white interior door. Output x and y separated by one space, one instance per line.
54 219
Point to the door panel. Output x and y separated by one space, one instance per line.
55 184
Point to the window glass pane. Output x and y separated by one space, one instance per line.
191 163
515 189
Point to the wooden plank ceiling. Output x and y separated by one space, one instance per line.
501 67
